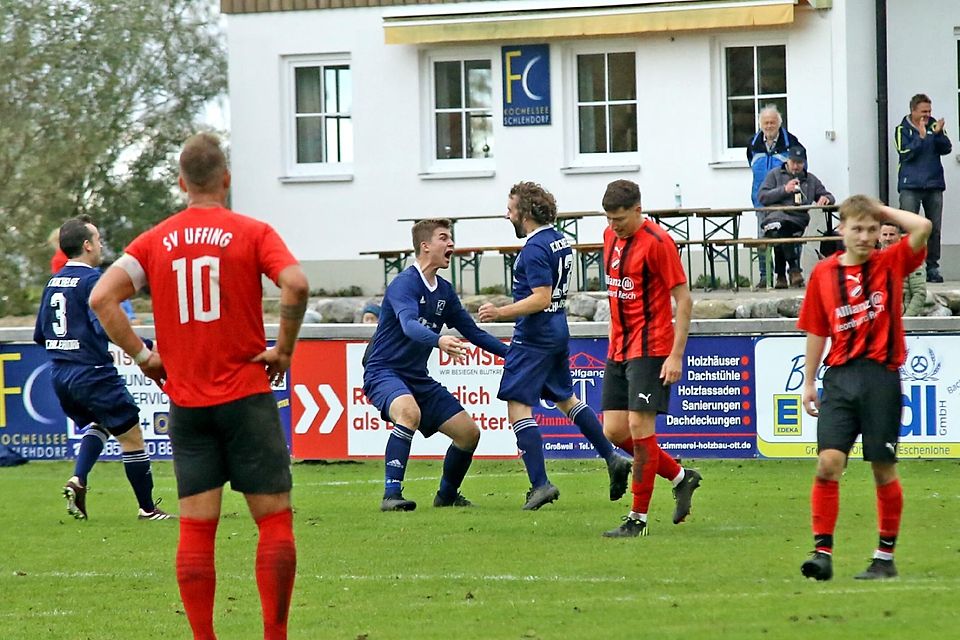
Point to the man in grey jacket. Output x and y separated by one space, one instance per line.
790 185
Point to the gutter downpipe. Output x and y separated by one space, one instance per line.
883 125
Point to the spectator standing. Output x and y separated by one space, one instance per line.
766 151
921 141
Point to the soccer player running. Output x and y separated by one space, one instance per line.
643 271
88 386
538 362
204 267
855 299
416 306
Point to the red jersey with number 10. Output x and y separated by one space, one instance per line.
859 307
640 272
204 270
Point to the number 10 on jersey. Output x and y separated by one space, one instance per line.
204 274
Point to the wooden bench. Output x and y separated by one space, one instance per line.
758 246
394 261
590 254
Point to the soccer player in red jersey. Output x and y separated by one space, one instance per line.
643 272
855 299
204 267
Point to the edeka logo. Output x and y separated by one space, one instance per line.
787 414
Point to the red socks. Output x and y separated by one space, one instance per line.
889 509
667 467
824 506
646 460
197 575
276 570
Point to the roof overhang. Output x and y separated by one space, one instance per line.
424 24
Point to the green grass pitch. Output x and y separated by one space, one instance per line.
491 571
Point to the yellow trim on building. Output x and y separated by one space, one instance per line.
584 23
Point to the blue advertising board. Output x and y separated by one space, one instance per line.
712 407
32 423
526 85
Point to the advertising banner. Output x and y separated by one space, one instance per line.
930 382
333 419
32 423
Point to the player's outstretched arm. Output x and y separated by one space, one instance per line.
462 322
294 292
538 300
114 287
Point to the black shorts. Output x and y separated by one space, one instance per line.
635 385
240 441
861 397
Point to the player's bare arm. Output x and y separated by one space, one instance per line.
811 399
538 300
113 288
917 227
673 365
294 292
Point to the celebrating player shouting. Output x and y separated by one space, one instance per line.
416 306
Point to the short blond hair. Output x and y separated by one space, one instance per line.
860 206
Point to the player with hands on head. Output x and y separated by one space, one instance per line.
855 298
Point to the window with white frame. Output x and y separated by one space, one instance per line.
319 123
606 99
462 97
753 77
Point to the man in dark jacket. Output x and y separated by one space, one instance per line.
790 185
766 151
921 141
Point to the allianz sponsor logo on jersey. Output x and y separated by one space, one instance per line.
622 288
845 315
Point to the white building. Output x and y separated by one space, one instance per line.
348 114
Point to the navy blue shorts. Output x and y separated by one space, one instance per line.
95 394
529 375
437 405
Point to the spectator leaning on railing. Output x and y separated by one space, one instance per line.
790 185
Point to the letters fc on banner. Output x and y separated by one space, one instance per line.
526 85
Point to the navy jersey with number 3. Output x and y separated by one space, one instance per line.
545 261
66 326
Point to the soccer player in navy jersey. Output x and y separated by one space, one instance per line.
645 356
538 362
855 298
416 306
87 384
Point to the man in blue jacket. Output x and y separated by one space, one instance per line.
766 151
921 141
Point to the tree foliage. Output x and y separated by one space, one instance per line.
95 97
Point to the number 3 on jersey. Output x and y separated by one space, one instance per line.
205 275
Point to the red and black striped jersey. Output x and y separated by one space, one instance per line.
640 272
860 307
